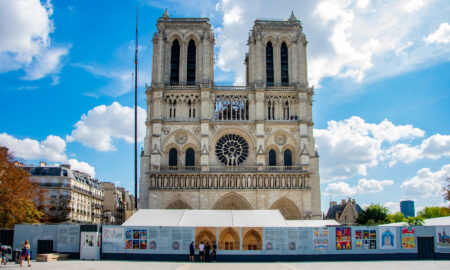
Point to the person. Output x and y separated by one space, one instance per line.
25 253
207 250
3 254
191 251
201 252
214 250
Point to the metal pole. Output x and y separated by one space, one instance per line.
135 115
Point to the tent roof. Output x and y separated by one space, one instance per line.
208 218
312 223
440 221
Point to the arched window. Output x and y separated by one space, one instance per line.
191 63
175 63
284 65
269 64
272 158
190 157
173 157
287 157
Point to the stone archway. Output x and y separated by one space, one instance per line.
287 208
232 201
229 239
179 204
204 235
252 240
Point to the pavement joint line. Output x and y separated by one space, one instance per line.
290 267
185 266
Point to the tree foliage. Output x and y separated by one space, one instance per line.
434 212
416 221
374 214
20 198
396 217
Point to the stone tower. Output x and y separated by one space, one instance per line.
230 147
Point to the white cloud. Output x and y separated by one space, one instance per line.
434 147
24 38
363 186
81 166
393 207
426 183
51 149
354 39
350 146
440 36
102 124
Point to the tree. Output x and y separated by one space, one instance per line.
434 212
374 214
447 190
416 221
20 198
396 217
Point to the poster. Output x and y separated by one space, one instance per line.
320 238
443 236
135 239
298 238
365 239
387 237
343 238
111 235
408 237
152 238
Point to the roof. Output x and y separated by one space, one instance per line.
440 221
218 218
339 208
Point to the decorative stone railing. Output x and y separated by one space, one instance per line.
241 180
231 169
228 88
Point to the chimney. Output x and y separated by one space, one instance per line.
42 164
349 200
343 202
3 151
332 203
65 166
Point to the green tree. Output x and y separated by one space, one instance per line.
434 212
374 214
416 221
19 196
396 217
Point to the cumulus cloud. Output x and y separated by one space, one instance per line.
52 148
440 36
102 124
393 207
426 183
25 39
353 39
363 186
350 146
81 166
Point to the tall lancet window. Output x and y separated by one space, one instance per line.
284 65
191 63
173 157
175 63
269 64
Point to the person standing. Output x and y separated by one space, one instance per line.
207 250
201 252
214 250
191 251
25 253
3 254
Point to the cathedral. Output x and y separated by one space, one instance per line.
230 147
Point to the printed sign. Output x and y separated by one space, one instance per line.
112 235
135 239
343 238
408 237
387 237
320 238
366 239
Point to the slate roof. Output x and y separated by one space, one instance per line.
339 208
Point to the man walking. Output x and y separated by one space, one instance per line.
191 251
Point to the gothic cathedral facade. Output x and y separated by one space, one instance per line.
230 147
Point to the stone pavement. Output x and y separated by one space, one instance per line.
134 265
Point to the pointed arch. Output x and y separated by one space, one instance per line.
284 64
272 157
191 62
229 239
173 157
232 201
204 236
175 63
252 240
179 204
287 208
269 64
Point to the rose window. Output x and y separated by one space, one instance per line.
232 149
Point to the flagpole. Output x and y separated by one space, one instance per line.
135 115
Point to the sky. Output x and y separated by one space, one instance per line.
380 69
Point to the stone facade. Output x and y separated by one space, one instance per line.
345 213
118 204
230 147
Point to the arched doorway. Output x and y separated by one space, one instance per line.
229 239
252 240
179 204
232 201
287 208
204 235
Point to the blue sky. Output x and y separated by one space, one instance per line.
380 70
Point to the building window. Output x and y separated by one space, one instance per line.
172 109
175 63
173 157
190 157
287 157
191 63
270 110
272 158
269 64
191 109
284 65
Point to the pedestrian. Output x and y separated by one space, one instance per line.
25 253
201 252
214 250
191 251
207 250
3 254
